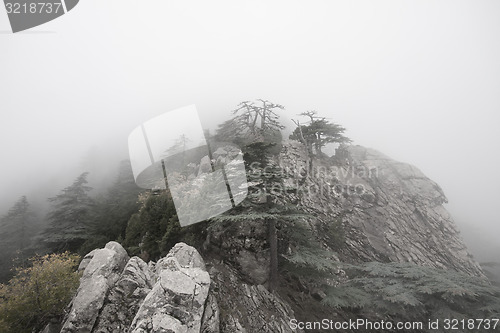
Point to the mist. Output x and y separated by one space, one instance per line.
416 80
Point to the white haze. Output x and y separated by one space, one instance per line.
417 80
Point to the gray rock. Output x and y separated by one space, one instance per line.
177 301
248 308
224 155
243 244
100 274
125 298
205 165
52 328
219 152
86 260
392 211
186 256
210 321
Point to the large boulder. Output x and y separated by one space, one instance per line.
177 301
100 274
125 298
121 295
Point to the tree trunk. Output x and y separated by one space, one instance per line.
273 253
254 121
263 117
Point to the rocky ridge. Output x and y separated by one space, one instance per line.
388 211
174 295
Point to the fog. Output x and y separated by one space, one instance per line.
416 80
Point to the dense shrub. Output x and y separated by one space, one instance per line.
38 293
155 229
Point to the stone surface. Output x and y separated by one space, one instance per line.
52 328
205 166
247 308
121 295
243 244
211 317
125 298
86 260
177 301
100 274
391 211
186 256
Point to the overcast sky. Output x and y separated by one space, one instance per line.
417 80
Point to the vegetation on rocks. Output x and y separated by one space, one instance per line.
315 247
39 293
409 292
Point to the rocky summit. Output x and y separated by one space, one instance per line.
174 295
391 212
382 210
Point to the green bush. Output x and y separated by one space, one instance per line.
155 229
39 293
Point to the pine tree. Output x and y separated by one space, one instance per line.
70 216
17 224
17 229
410 292
252 123
112 211
261 145
155 228
292 243
318 133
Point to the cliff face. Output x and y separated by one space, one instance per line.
385 210
390 211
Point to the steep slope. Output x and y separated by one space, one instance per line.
360 205
390 211
174 295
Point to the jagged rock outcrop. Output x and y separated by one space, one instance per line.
177 301
126 296
102 269
244 246
391 211
247 308
176 295
118 294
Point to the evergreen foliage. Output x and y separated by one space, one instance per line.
306 255
155 229
252 123
408 291
146 229
39 293
266 182
112 211
334 232
287 226
17 229
70 217
318 133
